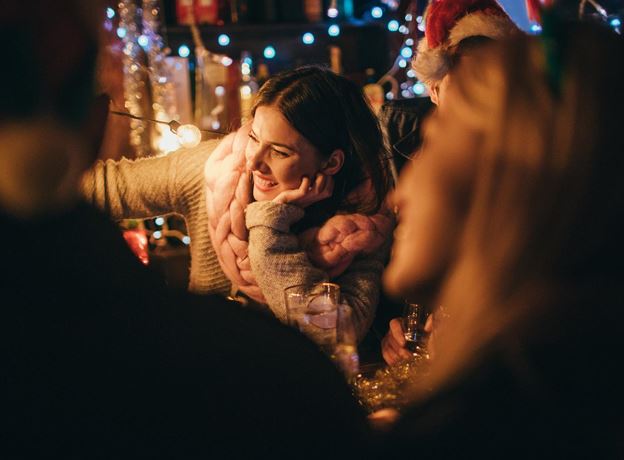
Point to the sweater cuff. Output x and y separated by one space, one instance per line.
274 215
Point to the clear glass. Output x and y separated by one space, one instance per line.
313 310
414 321
346 353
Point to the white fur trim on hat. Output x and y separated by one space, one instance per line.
432 64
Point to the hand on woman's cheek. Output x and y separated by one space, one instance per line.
308 192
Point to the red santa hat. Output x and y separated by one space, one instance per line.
447 23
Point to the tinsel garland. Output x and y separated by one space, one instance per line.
163 101
133 75
389 387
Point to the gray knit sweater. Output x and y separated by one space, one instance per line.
175 184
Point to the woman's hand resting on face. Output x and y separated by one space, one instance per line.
308 192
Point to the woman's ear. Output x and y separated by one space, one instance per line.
434 93
334 163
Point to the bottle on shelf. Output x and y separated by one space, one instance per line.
313 10
185 13
206 11
335 59
239 11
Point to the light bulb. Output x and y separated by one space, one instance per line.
189 135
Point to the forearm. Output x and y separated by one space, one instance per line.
277 260
147 187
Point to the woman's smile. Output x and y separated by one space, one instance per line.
263 183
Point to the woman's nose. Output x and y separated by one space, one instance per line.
255 158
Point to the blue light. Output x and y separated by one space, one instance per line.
110 13
159 221
308 38
223 40
184 51
247 60
377 12
143 41
186 240
615 22
333 30
269 52
536 28
418 88
393 25
402 63
121 32
157 234
406 52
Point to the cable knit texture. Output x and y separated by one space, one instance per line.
263 257
260 255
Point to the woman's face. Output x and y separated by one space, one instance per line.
278 155
431 197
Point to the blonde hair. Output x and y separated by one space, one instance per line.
541 236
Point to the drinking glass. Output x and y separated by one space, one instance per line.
414 320
346 354
313 310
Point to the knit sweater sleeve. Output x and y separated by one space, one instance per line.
278 261
150 186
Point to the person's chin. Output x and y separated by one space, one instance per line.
264 195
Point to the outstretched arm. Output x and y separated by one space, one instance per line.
146 187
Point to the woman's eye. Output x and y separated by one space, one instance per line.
253 138
279 153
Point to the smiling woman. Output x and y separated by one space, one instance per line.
294 197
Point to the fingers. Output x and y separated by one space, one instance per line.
396 331
393 344
304 187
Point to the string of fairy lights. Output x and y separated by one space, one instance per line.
144 59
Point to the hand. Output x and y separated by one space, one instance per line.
393 344
383 419
308 193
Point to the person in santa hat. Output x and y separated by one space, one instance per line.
454 29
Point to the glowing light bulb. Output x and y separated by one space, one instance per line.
186 240
110 13
402 63
334 30
332 12
409 42
393 25
308 38
159 221
615 22
418 88
219 91
143 41
223 40
245 91
406 52
269 52
536 28
226 61
121 32
184 51
189 135
377 12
